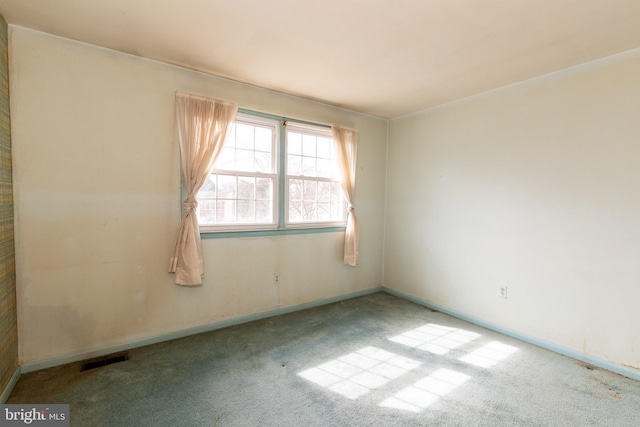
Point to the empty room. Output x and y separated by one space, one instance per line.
337 213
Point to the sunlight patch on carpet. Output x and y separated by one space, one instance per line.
434 338
426 391
489 355
356 374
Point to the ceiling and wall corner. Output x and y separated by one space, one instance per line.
377 57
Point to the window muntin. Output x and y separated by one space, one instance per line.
241 191
313 191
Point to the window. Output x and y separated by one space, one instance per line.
241 190
273 174
314 193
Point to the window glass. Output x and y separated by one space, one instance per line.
241 190
314 194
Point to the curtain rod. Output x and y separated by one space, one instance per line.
303 123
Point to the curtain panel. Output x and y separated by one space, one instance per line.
346 147
203 125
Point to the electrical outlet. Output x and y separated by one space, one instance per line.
503 292
276 278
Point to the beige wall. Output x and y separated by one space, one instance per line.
535 187
97 204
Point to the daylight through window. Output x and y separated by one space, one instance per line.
273 174
313 181
241 190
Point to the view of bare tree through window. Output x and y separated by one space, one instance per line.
314 191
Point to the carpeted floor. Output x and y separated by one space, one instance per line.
377 360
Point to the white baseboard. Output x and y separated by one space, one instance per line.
609 366
30 367
9 388
49 363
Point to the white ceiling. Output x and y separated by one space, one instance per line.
382 57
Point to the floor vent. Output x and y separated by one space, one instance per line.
103 361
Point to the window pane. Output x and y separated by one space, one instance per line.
226 211
324 147
227 159
208 190
309 145
295 189
264 211
324 191
311 200
206 211
294 165
264 189
264 139
309 166
336 210
294 143
246 188
246 211
227 187
263 162
310 188
295 211
244 160
244 136
309 211
323 213
324 168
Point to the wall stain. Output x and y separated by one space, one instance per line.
631 366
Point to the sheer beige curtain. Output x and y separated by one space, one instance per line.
203 124
346 141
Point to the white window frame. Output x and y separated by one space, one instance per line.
281 223
324 133
273 125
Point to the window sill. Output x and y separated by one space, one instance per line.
226 234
